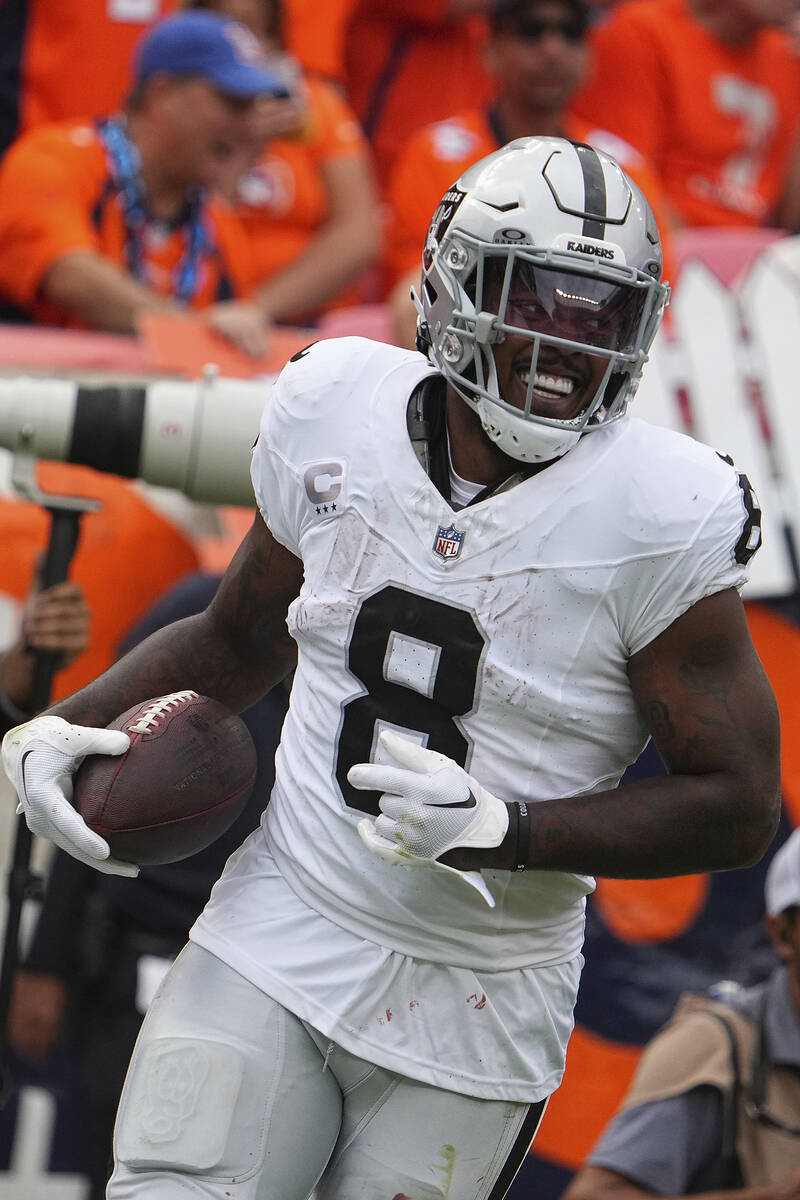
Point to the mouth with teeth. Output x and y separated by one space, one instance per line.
548 386
555 391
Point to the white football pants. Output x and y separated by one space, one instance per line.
229 1095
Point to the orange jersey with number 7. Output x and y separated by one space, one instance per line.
717 122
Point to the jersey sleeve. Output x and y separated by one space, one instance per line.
45 211
709 523
275 480
662 1145
310 430
334 130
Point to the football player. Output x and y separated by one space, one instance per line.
498 585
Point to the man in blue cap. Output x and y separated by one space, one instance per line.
102 221
220 50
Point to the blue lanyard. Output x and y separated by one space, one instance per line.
124 168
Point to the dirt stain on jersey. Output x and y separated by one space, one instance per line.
447 1169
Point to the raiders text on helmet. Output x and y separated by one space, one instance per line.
562 224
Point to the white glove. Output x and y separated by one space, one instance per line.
430 805
40 758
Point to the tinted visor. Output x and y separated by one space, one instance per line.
565 304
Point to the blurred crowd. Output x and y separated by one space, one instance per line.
249 164
267 171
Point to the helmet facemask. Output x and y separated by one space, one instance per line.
550 298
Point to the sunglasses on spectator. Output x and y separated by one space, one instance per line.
533 30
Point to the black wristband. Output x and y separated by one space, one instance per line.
512 833
523 835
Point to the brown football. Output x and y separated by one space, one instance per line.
182 782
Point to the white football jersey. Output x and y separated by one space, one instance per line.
499 635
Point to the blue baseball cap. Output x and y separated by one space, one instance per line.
221 50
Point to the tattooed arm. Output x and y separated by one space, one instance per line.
713 717
234 651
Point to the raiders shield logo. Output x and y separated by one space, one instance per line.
447 209
448 542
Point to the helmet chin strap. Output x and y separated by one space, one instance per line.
522 439
430 437
423 339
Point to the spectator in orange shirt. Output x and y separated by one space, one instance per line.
411 63
709 91
308 203
67 58
316 36
537 54
102 222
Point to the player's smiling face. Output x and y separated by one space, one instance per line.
566 306
564 380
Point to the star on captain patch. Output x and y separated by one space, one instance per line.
448 542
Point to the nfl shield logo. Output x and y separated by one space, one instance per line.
447 543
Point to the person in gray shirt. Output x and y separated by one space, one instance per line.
715 1102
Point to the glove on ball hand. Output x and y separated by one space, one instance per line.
429 805
40 758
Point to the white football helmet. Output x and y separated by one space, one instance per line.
548 240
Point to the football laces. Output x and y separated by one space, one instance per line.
158 709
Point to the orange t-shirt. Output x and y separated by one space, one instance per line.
282 201
315 35
127 555
717 122
438 154
408 65
56 197
73 57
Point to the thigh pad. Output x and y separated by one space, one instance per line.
184 1108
